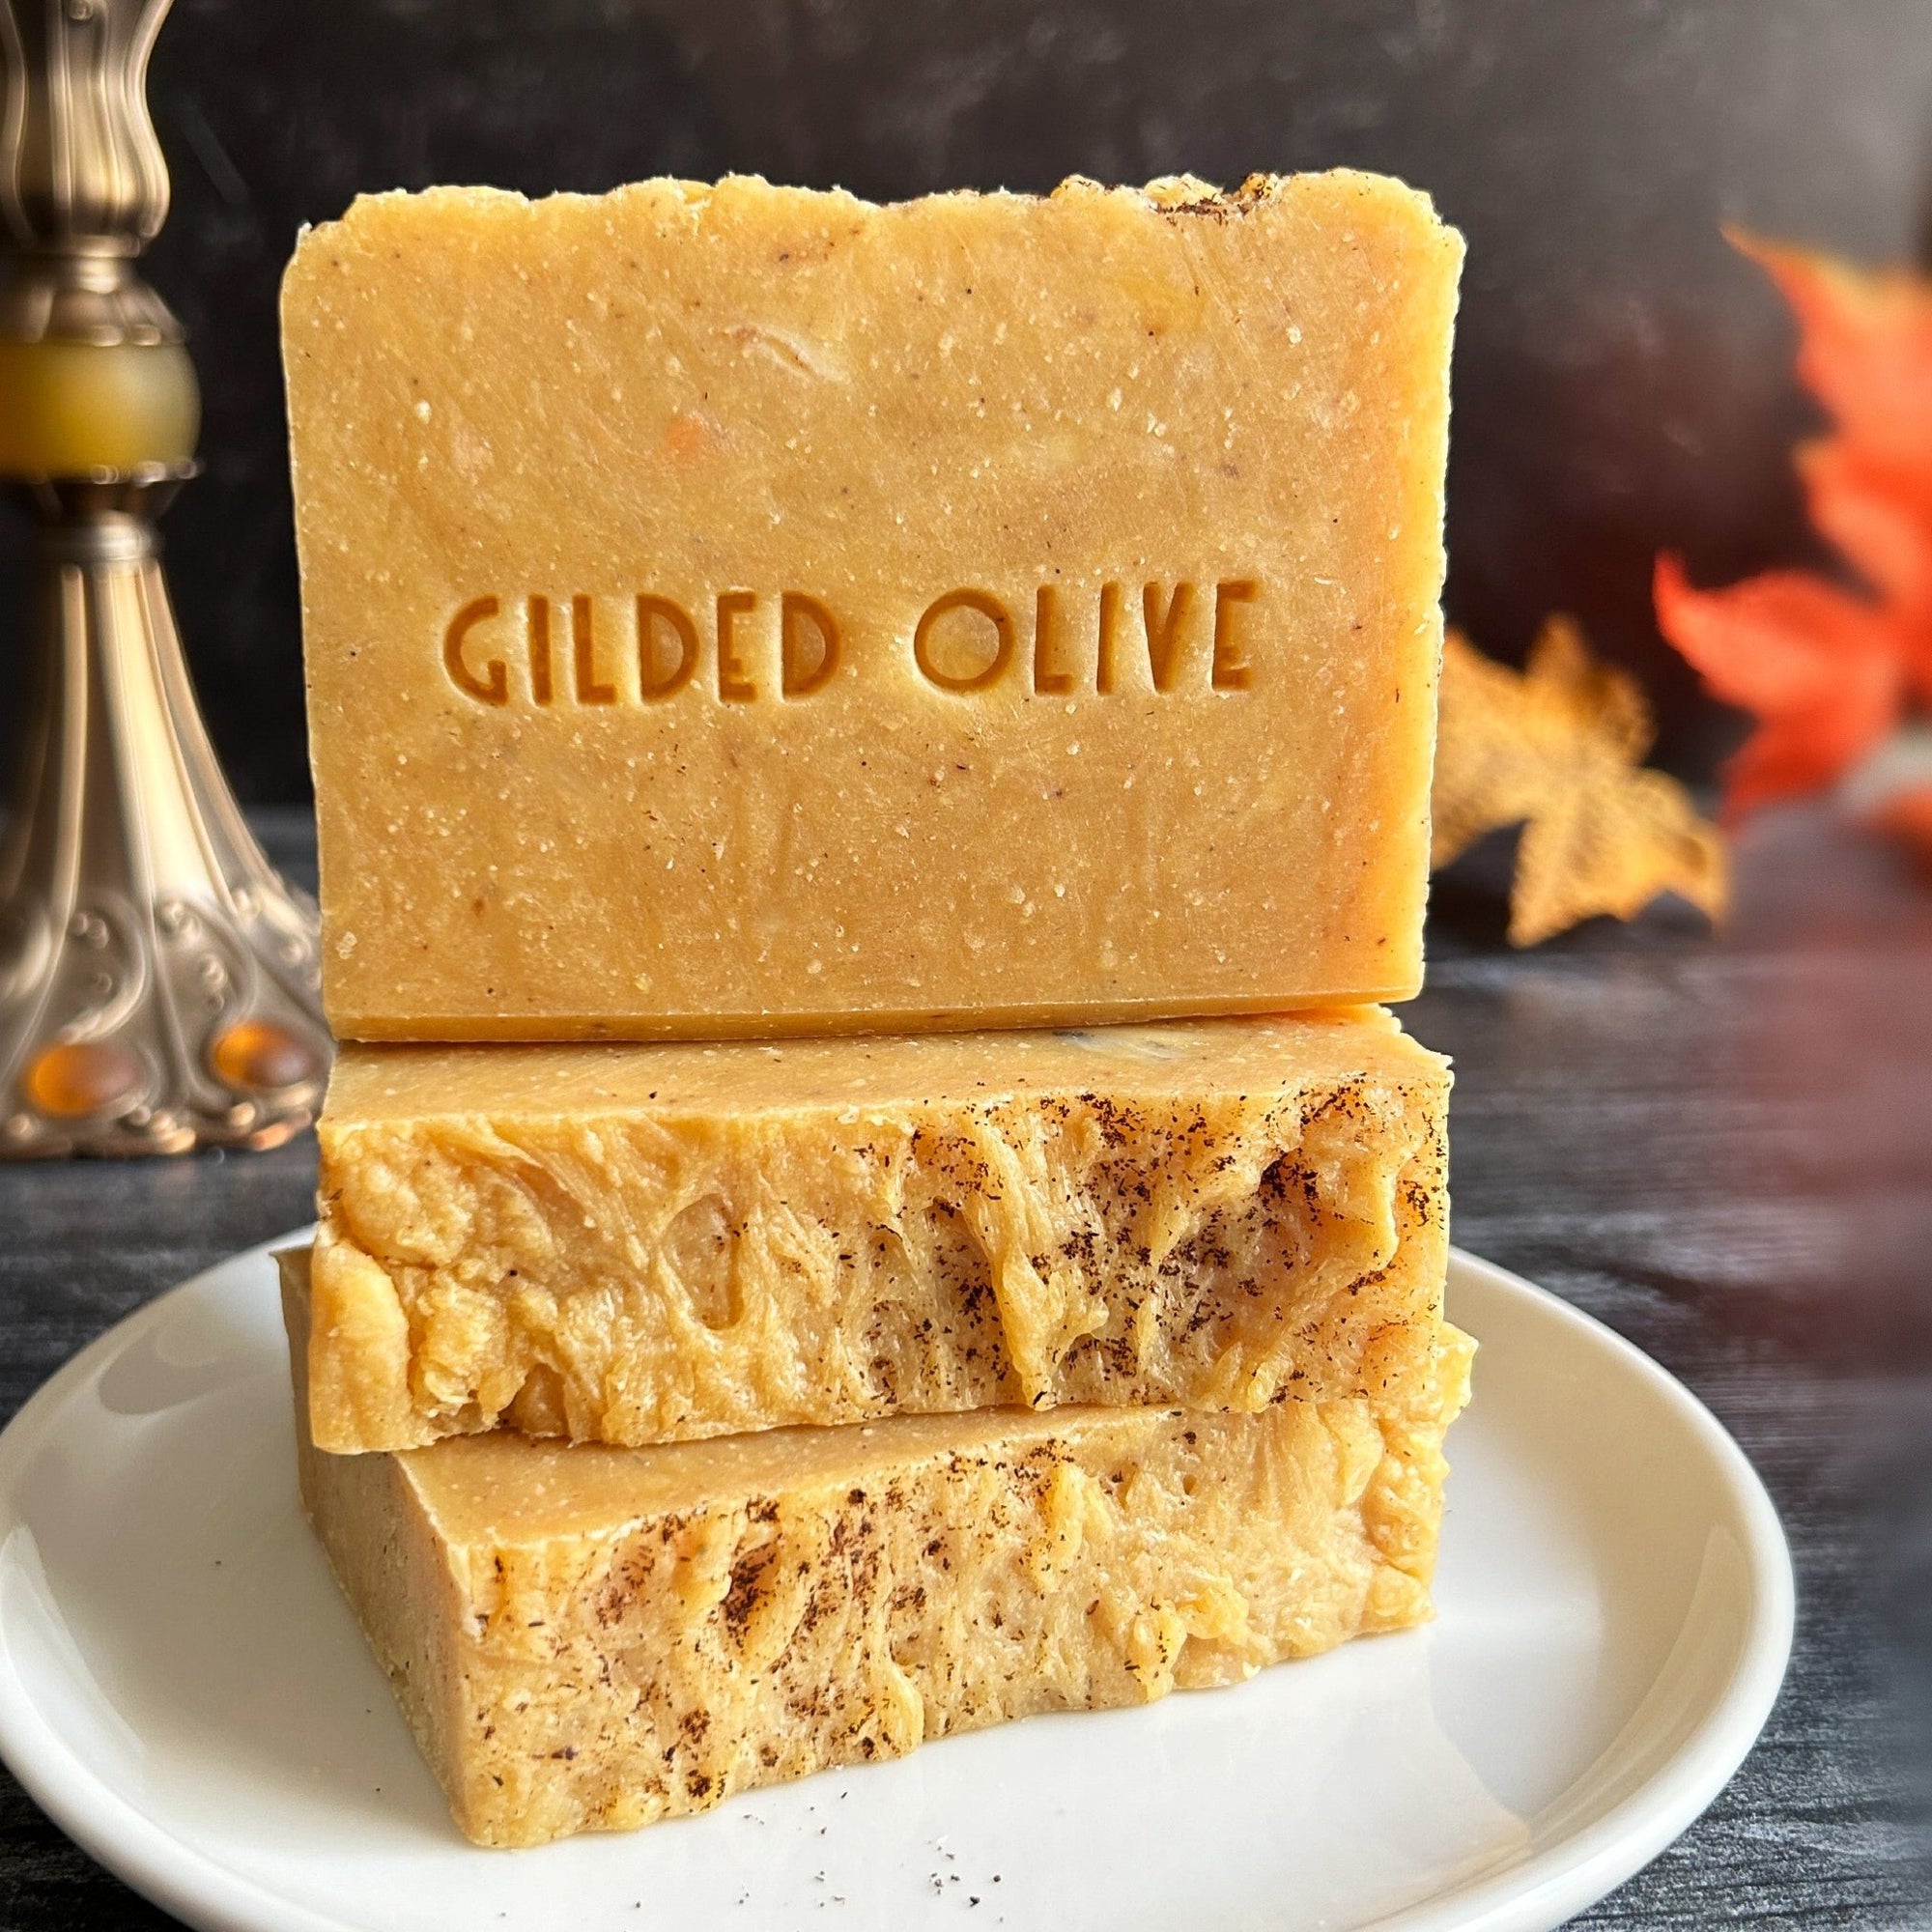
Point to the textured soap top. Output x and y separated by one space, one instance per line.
742 610
658 1240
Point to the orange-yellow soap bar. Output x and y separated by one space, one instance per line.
737 609
586 1639
659 1240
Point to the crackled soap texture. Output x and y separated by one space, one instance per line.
743 610
589 1638
637 1243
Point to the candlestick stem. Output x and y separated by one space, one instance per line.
158 982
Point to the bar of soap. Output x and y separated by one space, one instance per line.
648 1242
744 610
589 1638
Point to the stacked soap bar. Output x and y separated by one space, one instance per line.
649 1243
590 1638
743 610
872 764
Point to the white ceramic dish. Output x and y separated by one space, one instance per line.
182 1688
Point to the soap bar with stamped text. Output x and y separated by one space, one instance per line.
739 610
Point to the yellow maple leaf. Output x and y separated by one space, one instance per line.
1558 747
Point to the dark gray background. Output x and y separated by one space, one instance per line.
1622 378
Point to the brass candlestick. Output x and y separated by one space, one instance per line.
158 980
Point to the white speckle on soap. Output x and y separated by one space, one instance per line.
422 408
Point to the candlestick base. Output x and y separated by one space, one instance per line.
158 982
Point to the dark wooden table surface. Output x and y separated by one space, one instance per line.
1721 1148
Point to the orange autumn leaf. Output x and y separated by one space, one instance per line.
1826 670
1818 667
1557 749
1875 520
1864 348
1865 353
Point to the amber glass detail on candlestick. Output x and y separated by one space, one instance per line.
159 984
74 1079
263 1057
